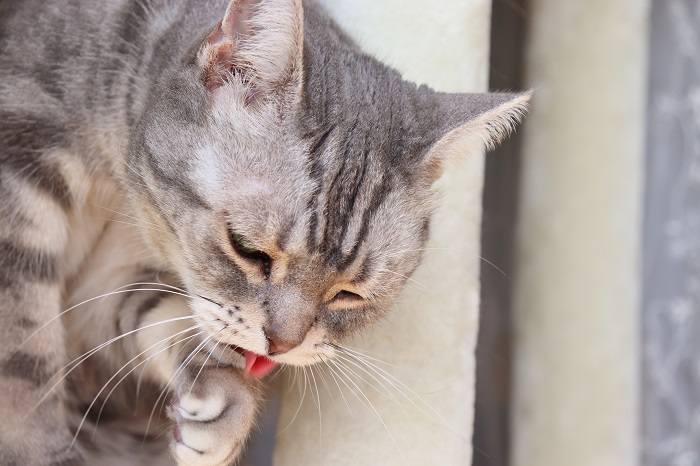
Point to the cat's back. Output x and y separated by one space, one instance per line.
47 51
35 32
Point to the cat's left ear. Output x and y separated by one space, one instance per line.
467 122
258 43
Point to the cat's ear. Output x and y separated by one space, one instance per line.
467 122
259 43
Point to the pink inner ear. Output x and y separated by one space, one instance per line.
219 63
237 17
222 40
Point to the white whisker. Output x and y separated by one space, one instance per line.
340 390
177 372
372 407
118 291
318 405
404 390
301 403
359 353
201 368
80 359
104 387
373 380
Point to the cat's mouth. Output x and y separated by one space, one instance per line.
256 365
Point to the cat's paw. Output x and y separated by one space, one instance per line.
213 416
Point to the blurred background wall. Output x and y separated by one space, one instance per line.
576 312
589 350
671 294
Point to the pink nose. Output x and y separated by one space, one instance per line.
277 345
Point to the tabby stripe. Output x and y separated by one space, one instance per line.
284 234
48 179
333 195
132 22
318 149
350 203
316 173
313 224
55 50
25 323
27 367
162 50
133 33
20 264
8 9
331 204
147 306
169 182
22 141
365 271
378 197
425 230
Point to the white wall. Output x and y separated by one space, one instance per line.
430 337
576 304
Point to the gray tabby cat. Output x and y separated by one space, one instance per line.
245 154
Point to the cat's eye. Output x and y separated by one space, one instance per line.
345 295
246 250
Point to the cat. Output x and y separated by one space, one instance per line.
262 186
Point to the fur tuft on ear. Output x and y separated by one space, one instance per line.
260 42
472 122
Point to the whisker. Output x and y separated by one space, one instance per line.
405 277
278 371
177 372
137 225
80 359
495 267
391 254
372 407
340 390
301 403
104 387
402 388
322 376
140 221
379 372
359 353
201 368
318 405
156 284
95 298
373 380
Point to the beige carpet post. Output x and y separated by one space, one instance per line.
576 301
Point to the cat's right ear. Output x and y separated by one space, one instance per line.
258 44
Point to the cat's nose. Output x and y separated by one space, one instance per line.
277 345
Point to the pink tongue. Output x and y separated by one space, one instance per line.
258 366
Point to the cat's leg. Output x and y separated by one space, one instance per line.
213 406
36 202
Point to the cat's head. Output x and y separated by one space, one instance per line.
287 177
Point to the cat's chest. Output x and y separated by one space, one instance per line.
105 244
106 252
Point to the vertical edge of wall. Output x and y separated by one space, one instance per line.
430 337
500 201
578 276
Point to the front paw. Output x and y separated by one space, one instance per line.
213 416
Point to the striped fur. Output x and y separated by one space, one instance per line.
143 141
